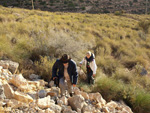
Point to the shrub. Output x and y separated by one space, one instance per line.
144 25
44 67
118 13
124 75
108 65
83 8
134 96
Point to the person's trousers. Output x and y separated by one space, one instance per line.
90 78
65 85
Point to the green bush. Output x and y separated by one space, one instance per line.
118 13
44 68
144 25
134 96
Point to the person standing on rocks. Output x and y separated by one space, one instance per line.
91 66
67 74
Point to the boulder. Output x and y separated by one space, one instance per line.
67 110
112 104
64 100
97 97
42 82
55 90
4 64
44 103
9 92
2 94
34 77
22 97
35 83
55 108
76 102
51 84
12 66
105 110
41 111
16 104
98 105
6 74
88 109
128 109
82 75
49 111
33 104
20 82
42 93
52 94
33 94
77 91
84 94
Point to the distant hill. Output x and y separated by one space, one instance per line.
90 6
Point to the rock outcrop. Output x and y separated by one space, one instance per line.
19 95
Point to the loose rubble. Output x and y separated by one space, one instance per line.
19 95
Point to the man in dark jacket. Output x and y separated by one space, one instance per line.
66 70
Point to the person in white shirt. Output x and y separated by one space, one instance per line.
91 66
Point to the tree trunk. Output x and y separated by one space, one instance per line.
146 7
32 5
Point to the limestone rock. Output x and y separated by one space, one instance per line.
49 111
33 94
6 74
55 108
126 108
42 82
20 82
77 91
41 111
34 83
64 100
111 104
22 97
9 92
67 110
2 95
59 102
34 77
98 105
97 97
45 102
42 93
56 90
105 109
12 66
51 84
76 102
88 109
84 94
16 104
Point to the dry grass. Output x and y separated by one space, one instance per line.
120 43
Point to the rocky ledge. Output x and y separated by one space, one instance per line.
19 95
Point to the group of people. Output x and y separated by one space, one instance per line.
65 72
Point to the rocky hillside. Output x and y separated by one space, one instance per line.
19 95
90 6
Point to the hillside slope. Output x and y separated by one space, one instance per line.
90 6
121 45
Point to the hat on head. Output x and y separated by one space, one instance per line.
65 58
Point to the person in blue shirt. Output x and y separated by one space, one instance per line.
65 70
